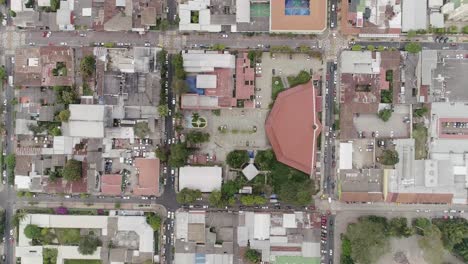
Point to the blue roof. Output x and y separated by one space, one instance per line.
192 85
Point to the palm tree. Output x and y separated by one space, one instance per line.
18 217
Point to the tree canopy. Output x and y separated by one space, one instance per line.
250 200
413 47
179 155
186 196
368 240
154 221
64 115
72 170
32 231
88 66
142 129
389 157
88 244
237 158
385 114
196 137
253 255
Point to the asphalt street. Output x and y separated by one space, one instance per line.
8 195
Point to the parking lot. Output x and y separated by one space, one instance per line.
398 126
233 129
283 65
363 153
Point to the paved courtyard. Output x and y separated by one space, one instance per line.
283 65
394 127
233 129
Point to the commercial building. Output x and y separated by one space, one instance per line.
86 121
204 237
414 15
205 179
293 126
279 236
362 185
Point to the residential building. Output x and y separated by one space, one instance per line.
456 10
148 176
380 18
119 230
87 121
205 179
211 80
44 66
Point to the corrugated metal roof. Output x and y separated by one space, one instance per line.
205 179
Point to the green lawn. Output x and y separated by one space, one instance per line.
68 236
82 261
420 137
277 86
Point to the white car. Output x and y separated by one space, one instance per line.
173 101
172 216
126 197
168 214
165 170
173 140
144 198
13 60
83 35
67 196
147 44
12 231
172 171
331 252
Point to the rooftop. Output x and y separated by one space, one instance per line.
111 184
148 176
205 179
293 127
298 16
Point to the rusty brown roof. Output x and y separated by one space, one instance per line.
361 197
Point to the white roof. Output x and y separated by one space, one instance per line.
86 129
436 3
86 120
120 3
22 182
194 101
250 171
43 2
206 81
289 221
261 226
206 62
63 17
243 11
138 225
346 155
16 5
414 15
205 179
437 20
86 12
86 112
360 62
181 225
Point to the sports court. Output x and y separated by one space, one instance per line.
297 7
260 10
